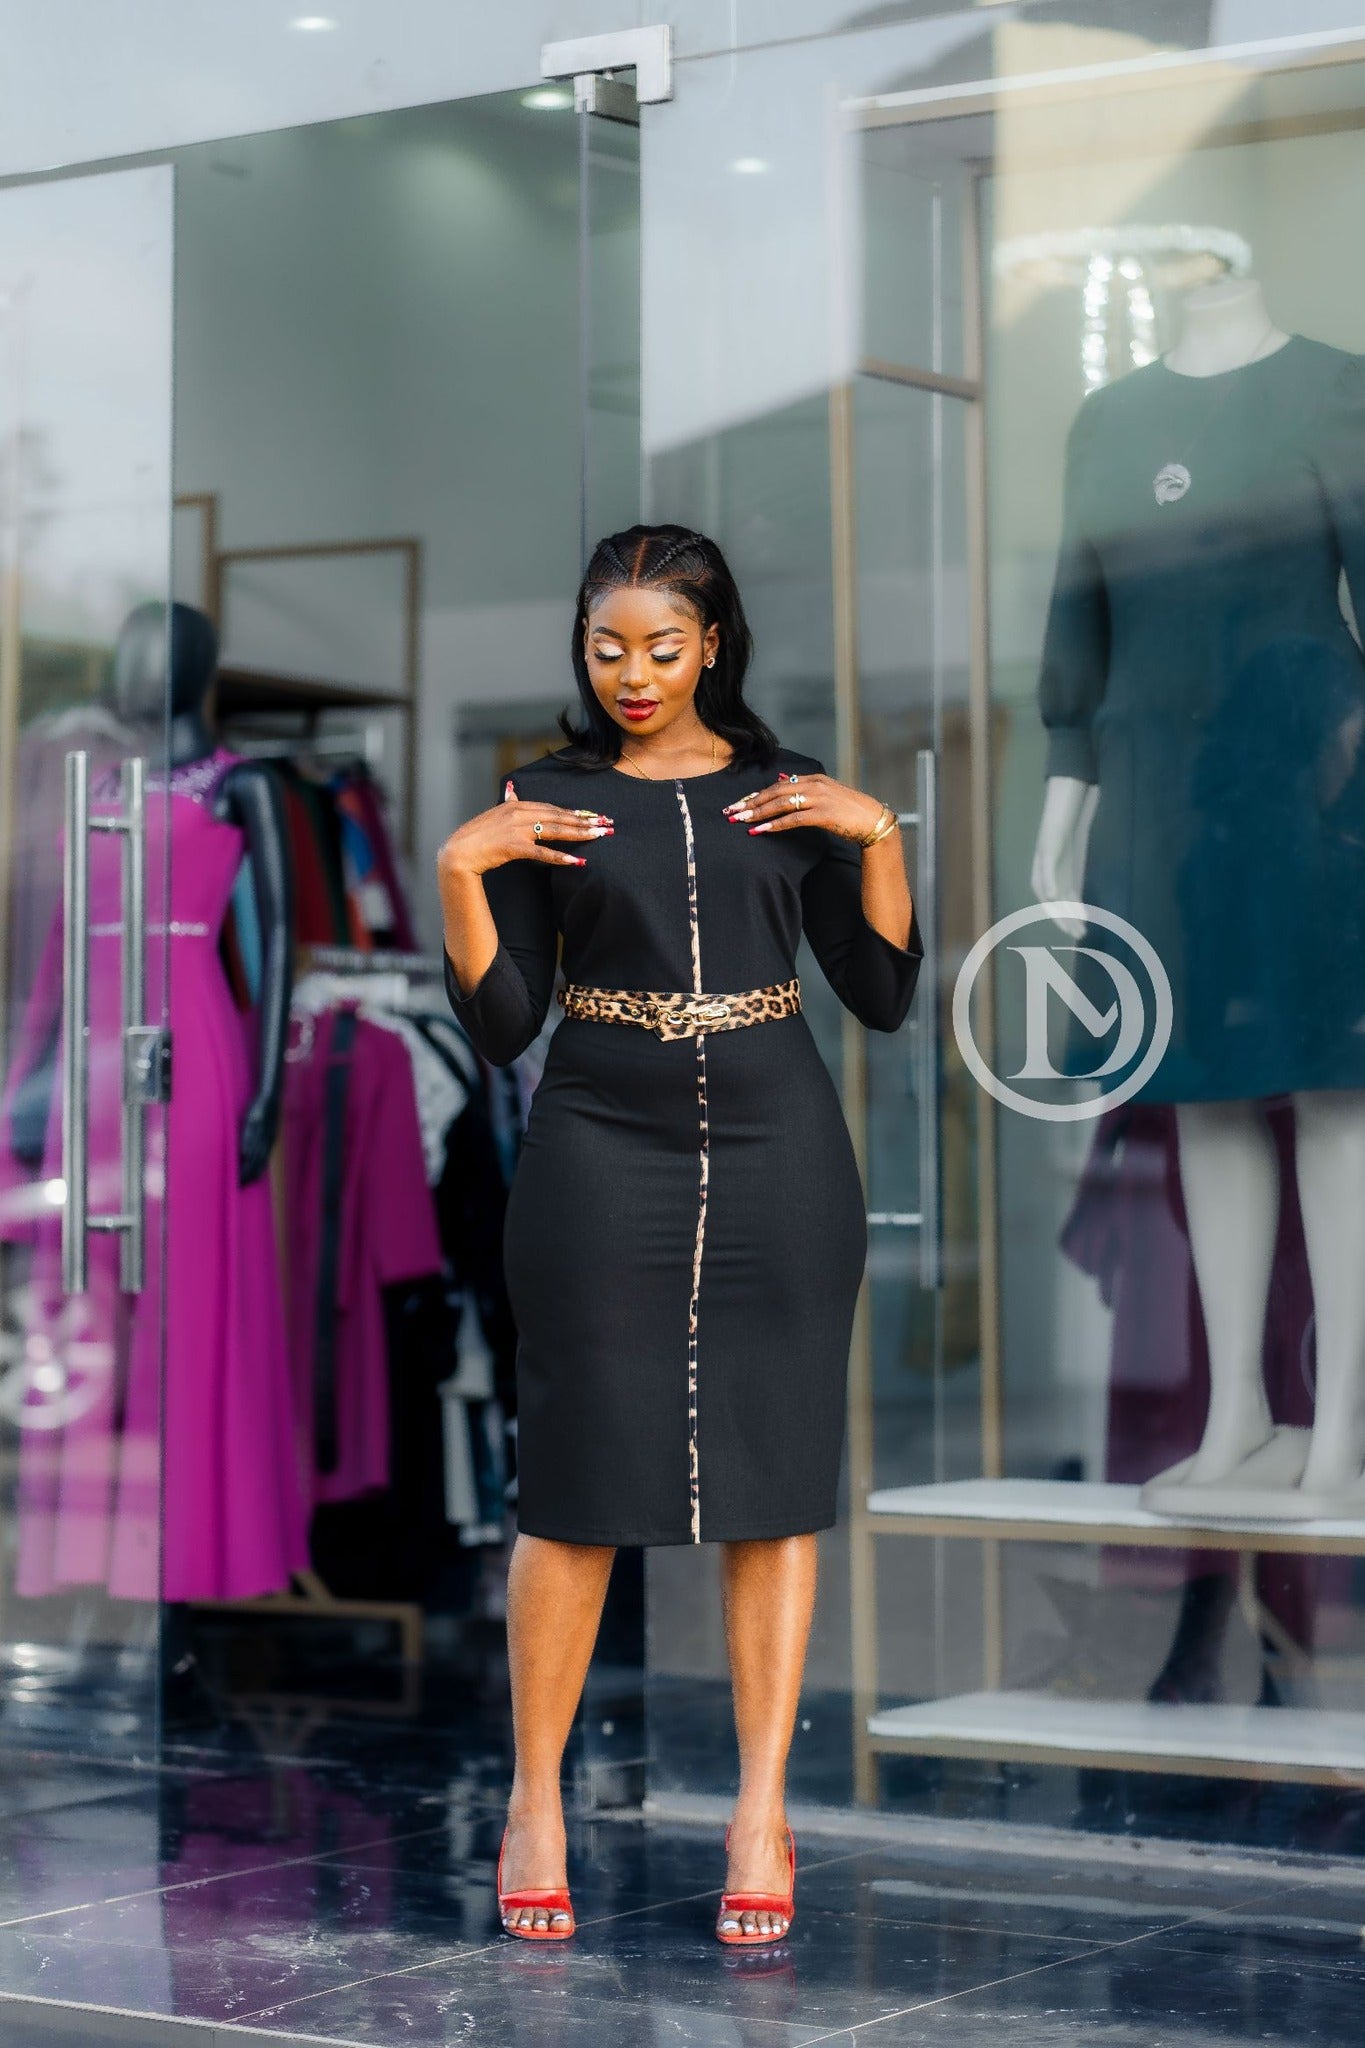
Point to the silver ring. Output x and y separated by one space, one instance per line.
796 800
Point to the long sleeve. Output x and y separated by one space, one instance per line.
1339 456
1075 659
505 1012
871 977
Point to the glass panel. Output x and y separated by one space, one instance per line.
610 324
910 479
1071 1340
912 224
85 370
1163 470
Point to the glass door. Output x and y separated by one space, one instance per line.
85 515
809 399
609 1746
904 437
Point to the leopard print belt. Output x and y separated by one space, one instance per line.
681 1015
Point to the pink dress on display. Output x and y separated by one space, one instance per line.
90 1511
387 1231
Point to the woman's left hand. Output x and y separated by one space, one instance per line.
807 800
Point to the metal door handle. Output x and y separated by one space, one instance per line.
928 1218
75 1022
930 1105
138 1042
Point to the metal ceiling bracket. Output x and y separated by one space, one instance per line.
648 52
612 99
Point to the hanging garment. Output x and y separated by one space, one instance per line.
91 1468
362 801
1197 666
359 1217
321 917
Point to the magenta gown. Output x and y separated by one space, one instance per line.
89 1483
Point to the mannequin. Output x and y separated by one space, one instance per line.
247 797
1245 1466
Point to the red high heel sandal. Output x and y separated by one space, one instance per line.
758 1902
535 1901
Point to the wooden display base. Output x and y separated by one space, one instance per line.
313 1601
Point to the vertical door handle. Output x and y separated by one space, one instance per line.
141 1063
927 1061
75 1022
927 1219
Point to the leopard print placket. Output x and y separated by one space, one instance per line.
703 1179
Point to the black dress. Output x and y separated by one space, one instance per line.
1198 667
686 1229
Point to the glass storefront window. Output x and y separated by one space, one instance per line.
1044 479
85 519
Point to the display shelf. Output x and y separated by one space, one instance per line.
248 689
1295 1745
1070 1511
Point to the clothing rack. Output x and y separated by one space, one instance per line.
311 1597
366 744
381 960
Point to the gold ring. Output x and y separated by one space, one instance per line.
795 800
536 828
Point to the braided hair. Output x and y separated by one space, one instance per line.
691 567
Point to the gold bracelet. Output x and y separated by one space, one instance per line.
887 822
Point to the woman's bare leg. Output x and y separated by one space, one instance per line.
554 1605
769 1594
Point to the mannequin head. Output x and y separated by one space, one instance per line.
139 667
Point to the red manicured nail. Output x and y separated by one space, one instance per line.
508 793
578 860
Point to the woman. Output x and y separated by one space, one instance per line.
686 1230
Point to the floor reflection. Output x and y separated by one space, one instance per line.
306 1875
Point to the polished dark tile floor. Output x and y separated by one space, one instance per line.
343 1893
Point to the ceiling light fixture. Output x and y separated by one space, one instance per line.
750 165
548 98
312 24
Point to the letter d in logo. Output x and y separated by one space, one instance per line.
1134 1010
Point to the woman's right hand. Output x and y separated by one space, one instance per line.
507 832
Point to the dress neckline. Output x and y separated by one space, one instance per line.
1233 369
668 781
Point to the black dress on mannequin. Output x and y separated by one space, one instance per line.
1197 665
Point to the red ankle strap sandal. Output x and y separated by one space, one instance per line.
735 1903
533 1901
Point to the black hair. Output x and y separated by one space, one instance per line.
676 559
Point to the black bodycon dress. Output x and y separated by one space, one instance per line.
686 1229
